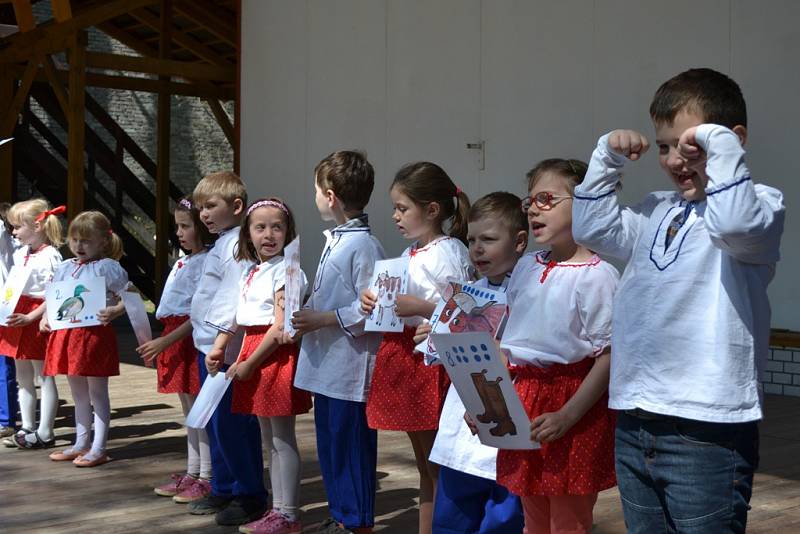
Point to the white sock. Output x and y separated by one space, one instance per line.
98 392
48 404
79 387
284 466
26 393
192 438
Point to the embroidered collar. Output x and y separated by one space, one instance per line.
33 252
414 250
360 223
543 258
80 265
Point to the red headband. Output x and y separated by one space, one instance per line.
55 211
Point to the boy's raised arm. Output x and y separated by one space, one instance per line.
598 221
744 219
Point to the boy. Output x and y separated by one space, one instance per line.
467 498
336 356
691 315
237 489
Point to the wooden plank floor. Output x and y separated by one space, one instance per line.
147 443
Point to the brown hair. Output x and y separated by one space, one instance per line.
425 182
28 211
711 94
245 250
349 175
4 207
224 183
186 205
502 206
89 224
574 170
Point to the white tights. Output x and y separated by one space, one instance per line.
284 463
90 392
27 370
199 454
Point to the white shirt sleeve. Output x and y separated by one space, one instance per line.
350 317
221 314
594 296
116 277
743 219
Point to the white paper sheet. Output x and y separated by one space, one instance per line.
389 281
482 381
294 284
134 306
12 290
75 303
6 140
208 399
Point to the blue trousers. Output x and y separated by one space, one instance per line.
467 504
681 475
8 392
348 457
235 443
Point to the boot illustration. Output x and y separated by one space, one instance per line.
495 409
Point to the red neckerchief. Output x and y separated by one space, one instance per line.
552 264
414 251
29 254
249 280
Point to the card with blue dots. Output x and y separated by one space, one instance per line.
75 303
480 376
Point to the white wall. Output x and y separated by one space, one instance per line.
408 80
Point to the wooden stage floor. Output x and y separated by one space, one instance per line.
147 443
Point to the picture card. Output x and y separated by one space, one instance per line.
390 279
214 388
293 289
75 303
12 290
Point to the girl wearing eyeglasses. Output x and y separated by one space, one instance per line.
558 340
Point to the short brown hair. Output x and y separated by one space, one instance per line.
245 250
88 224
574 170
711 94
226 184
349 175
502 206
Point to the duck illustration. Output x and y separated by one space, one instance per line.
8 295
72 306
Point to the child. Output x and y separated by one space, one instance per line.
406 394
8 381
174 352
89 355
39 233
468 499
237 487
264 371
692 317
336 356
558 337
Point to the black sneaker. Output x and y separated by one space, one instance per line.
210 504
241 510
331 526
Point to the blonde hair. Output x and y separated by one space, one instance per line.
89 224
27 212
224 183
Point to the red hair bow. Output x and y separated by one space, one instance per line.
55 211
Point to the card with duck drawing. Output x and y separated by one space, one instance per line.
75 303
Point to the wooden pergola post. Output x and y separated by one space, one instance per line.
76 123
162 170
6 151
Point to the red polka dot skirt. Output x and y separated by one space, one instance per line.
579 463
83 351
405 394
270 391
177 365
25 342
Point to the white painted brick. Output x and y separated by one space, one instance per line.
791 368
782 378
776 367
796 380
794 391
782 355
767 377
796 356
775 389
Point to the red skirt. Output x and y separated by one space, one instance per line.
579 463
270 391
405 394
24 342
83 351
177 365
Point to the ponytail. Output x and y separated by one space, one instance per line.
114 250
458 227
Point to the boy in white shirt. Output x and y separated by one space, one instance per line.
237 486
691 314
336 355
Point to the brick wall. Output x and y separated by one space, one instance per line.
782 373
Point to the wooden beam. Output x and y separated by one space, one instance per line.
161 67
222 119
7 150
24 14
62 10
10 119
57 37
124 37
163 159
76 124
211 17
58 88
186 41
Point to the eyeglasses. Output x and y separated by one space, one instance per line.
543 200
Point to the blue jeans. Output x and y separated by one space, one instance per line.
683 476
8 392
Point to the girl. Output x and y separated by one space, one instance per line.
174 352
39 233
89 355
264 372
405 393
557 336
